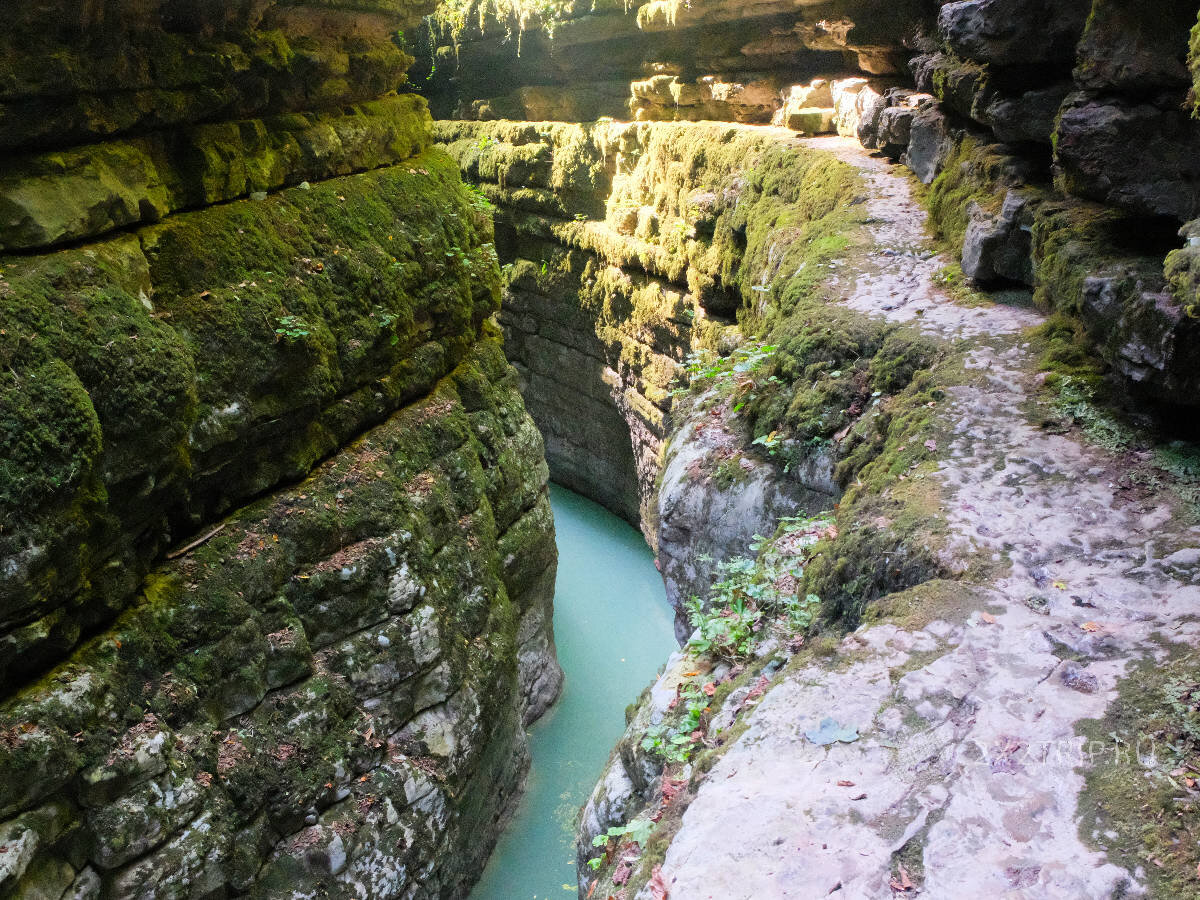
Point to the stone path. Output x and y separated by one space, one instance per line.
968 728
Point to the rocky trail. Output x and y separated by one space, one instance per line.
968 756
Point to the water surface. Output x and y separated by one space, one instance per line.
613 629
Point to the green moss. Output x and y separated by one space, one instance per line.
974 173
1066 353
1135 806
304 572
153 377
1194 65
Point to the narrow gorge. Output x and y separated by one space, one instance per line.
876 320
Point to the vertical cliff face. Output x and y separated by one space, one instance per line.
277 559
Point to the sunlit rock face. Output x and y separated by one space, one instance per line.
1086 103
713 59
277 558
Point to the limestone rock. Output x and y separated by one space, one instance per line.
998 247
1136 156
930 142
702 522
1012 32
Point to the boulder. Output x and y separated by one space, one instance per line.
930 142
997 246
1137 156
1135 48
1028 116
1013 32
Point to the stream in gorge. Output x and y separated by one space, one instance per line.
613 629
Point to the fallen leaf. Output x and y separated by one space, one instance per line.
1090 626
622 873
671 788
931 445
988 618
1061 585
859 797
830 732
658 884
709 689
844 783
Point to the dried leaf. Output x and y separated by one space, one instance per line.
988 618
844 783
1090 626
671 788
709 689
658 884
859 797
622 873
931 445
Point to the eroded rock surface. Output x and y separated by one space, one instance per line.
277 558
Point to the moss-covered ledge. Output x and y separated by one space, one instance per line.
327 694
155 381
83 193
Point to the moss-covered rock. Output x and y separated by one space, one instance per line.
344 651
78 194
207 359
72 74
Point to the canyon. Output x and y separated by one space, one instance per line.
876 319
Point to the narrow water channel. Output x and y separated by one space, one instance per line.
613 629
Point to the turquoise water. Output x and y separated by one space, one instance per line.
613 629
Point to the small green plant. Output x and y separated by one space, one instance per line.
769 442
479 200
291 328
738 376
754 597
1077 402
637 831
486 141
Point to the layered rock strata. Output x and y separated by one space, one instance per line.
277 558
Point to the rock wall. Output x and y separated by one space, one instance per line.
277 558
1037 125
653 60
631 251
